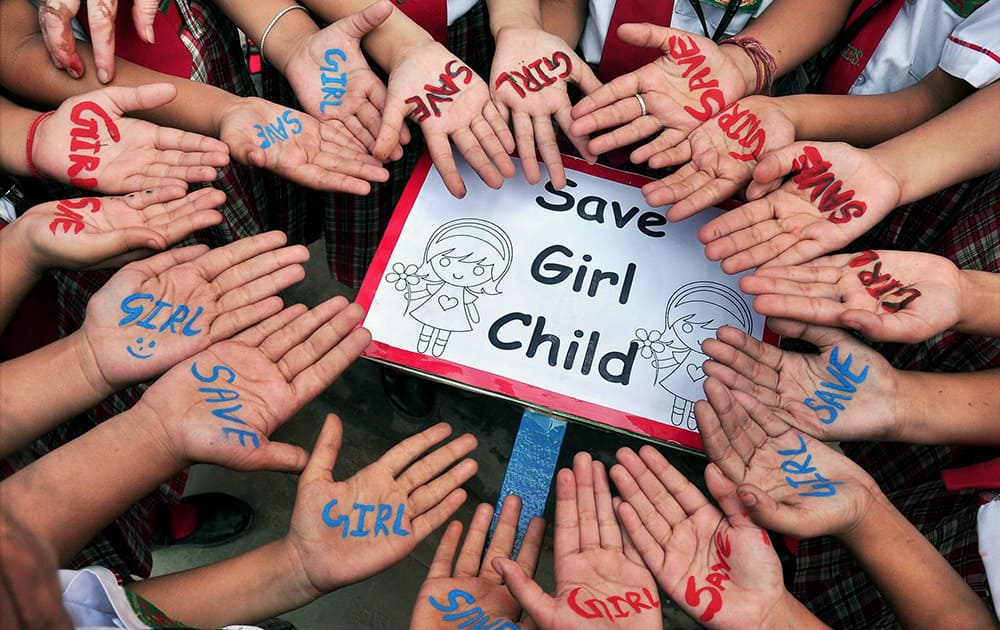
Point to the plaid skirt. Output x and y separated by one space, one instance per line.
213 40
353 225
961 223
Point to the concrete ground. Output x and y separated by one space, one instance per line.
372 426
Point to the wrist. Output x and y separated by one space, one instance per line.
788 612
515 18
30 146
408 48
875 515
299 582
979 304
744 63
18 258
288 29
145 421
90 370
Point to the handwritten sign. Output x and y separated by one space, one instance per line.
175 316
832 393
67 217
719 574
818 486
383 512
84 141
277 132
445 91
330 73
584 302
684 51
532 77
472 616
814 173
614 607
217 395
873 279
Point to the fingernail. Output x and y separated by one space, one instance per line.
150 36
76 70
748 499
102 75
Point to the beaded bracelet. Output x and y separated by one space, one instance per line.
763 61
31 141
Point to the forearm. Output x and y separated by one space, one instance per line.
389 44
940 408
72 493
513 14
28 71
965 141
13 136
565 19
254 17
251 587
919 584
980 304
790 613
17 276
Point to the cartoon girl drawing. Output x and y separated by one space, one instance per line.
464 258
694 312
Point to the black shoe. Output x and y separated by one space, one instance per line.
220 518
409 395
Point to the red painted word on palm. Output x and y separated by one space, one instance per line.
532 78
684 51
744 127
594 608
814 172
68 219
881 285
719 574
85 141
448 86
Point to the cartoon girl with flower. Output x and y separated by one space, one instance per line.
464 258
694 312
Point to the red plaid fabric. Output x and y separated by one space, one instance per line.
961 223
351 225
217 59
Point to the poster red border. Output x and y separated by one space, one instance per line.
531 395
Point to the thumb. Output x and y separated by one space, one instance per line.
142 97
125 240
325 451
724 490
647 35
584 77
868 324
777 164
363 22
280 457
388 133
763 510
143 16
526 591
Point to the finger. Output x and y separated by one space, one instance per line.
388 133
763 510
101 18
445 553
243 317
760 284
184 223
440 152
586 506
670 147
827 269
280 342
631 132
687 496
277 457
163 262
359 24
610 532
757 361
815 310
736 381
548 147
524 138
782 249
471 555
647 35
400 456
256 335
745 435
370 117
502 543
499 126
648 545
327 336
628 547
57 34
311 382
715 191
526 591
565 121
436 516
531 545
428 468
360 131
488 139
124 240
583 76
151 96
286 273
324 453
221 259
775 165
469 147
725 493
590 113
143 16
678 189
735 220
567 528
716 442
640 486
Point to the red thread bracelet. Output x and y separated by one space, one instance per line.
31 141
763 61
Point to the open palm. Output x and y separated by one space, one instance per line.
156 312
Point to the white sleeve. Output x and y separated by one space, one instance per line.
972 50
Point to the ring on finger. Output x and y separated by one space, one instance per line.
642 103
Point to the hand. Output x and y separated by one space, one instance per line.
55 16
886 295
448 100
846 392
103 232
90 143
689 84
30 593
837 194
474 580
718 566
723 154
528 81
319 155
221 405
788 481
157 312
600 578
332 80
406 494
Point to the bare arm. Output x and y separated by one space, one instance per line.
565 19
936 408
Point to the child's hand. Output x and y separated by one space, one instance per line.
156 312
788 481
221 405
447 596
886 295
846 392
101 232
528 83
601 581
718 566
321 155
722 154
345 531
449 101
836 193
90 143
333 81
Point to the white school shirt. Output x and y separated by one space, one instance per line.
595 31
918 40
458 8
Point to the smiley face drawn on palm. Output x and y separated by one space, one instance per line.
140 342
